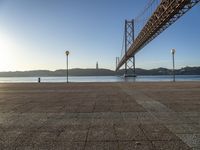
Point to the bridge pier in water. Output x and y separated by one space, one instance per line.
130 68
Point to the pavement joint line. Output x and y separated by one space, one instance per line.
116 136
168 90
46 91
146 136
86 139
122 113
138 94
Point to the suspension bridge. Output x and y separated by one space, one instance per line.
157 16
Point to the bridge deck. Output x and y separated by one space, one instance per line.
100 116
168 12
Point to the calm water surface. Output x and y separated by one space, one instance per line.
100 79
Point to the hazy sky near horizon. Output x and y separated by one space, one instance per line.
34 34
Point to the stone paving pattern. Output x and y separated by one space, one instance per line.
100 116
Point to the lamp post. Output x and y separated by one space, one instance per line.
67 53
173 70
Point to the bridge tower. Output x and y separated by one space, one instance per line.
129 39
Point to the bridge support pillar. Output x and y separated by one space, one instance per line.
129 38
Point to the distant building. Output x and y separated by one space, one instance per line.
97 65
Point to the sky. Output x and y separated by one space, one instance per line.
34 35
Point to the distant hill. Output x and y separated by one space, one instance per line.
86 72
99 72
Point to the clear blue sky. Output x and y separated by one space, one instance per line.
34 34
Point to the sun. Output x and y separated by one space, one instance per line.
7 53
5 61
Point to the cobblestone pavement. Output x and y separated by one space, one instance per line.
100 116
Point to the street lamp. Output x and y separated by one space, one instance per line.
67 53
173 52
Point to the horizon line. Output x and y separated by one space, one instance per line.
94 69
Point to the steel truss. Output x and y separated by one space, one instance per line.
168 12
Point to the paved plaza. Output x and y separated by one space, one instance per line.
100 116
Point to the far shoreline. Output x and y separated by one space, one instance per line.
101 72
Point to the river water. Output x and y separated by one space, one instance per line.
162 78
